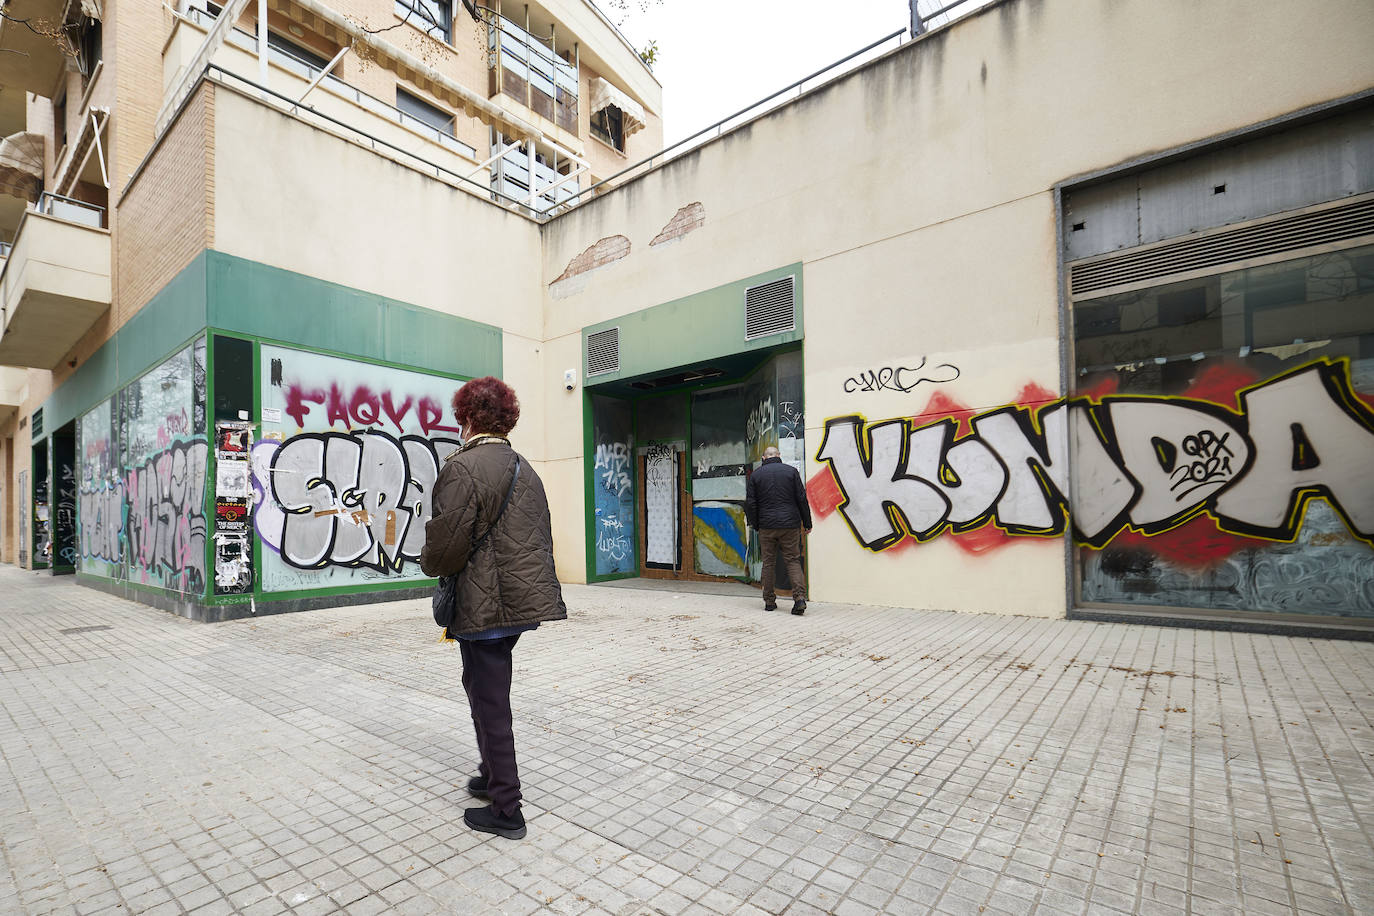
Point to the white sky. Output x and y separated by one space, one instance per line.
717 56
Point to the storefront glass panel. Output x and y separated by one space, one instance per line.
1241 405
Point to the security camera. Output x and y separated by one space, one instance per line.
569 379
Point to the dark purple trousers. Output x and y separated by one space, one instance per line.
486 678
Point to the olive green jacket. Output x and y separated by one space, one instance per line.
510 579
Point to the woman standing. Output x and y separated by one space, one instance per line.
490 526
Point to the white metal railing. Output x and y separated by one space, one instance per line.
71 210
511 177
247 41
528 71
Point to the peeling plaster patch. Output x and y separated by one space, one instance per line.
684 221
610 249
563 289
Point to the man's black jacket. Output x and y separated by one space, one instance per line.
774 497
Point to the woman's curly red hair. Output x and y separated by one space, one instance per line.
486 405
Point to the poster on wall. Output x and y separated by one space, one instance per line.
233 560
160 428
342 475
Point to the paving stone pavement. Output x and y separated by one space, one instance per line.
681 754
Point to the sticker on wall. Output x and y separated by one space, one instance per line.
233 438
231 513
231 477
233 564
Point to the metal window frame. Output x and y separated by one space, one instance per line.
1074 607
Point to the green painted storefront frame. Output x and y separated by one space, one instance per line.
693 329
259 593
218 294
713 320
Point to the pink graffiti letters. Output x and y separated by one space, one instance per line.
166 522
364 408
1148 464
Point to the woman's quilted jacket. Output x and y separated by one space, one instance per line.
510 580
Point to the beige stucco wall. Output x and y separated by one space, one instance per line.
918 193
31 388
357 219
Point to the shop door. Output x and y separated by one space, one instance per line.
663 510
663 506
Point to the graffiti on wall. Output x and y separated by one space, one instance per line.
160 427
343 475
1143 466
614 507
139 480
722 543
1150 463
23 518
100 494
165 525
902 379
64 501
349 500
613 486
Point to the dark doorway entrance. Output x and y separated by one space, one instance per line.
678 514
63 509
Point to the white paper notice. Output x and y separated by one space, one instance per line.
231 478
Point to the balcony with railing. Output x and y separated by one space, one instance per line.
414 131
528 70
295 71
55 282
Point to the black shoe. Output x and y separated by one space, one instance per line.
770 605
799 608
477 787
488 821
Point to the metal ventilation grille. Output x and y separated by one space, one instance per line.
603 352
1289 233
769 308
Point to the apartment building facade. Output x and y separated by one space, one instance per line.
1048 328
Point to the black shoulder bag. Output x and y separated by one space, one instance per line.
446 592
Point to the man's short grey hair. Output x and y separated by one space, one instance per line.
771 452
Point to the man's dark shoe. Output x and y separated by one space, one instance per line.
488 821
477 787
799 608
770 605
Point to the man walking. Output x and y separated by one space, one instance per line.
775 505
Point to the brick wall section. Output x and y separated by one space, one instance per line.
165 217
609 249
690 217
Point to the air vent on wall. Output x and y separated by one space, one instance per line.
1257 240
769 308
603 352
37 423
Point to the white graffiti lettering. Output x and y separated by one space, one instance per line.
345 499
613 463
1150 463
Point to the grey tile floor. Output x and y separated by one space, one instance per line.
681 754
